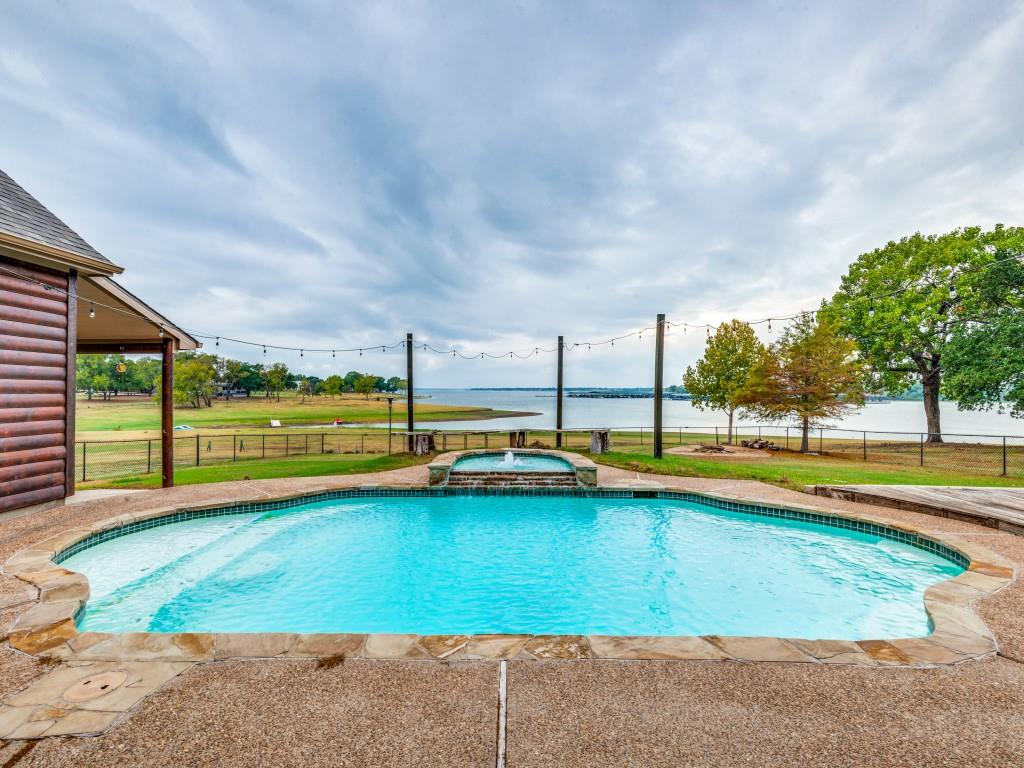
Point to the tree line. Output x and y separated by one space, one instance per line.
200 377
944 313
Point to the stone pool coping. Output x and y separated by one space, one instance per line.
585 469
48 629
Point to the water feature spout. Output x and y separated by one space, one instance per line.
510 459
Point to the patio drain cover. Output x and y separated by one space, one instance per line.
93 686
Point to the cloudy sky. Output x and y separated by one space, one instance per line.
490 175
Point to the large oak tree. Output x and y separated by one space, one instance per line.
904 304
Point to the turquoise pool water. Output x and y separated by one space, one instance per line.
479 564
511 462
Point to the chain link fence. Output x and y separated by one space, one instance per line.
979 455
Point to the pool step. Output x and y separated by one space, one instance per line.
512 479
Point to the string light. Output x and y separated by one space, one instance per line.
455 353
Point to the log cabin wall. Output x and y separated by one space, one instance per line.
36 386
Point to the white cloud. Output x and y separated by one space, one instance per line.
491 177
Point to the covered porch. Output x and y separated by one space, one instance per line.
109 320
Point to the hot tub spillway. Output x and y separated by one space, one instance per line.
512 479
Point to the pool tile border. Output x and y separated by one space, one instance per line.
48 628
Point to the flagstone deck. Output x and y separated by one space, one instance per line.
560 712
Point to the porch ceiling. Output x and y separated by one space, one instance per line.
136 322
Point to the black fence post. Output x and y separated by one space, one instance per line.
83 461
149 456
922 449
787 438
286 447
1004 455
821 441
865 446
321 442
263 448
234 447
197 450
716 434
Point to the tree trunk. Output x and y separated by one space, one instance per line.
930 382
728 440
805 435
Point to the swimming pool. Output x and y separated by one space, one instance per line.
511 461
472 564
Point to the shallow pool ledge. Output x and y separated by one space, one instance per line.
47 627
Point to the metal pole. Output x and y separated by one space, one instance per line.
1004 455
659 384
821 440
149 456
83 461
391 402
408 378
922 449
234 448
865 446
558 395
197 450
263 448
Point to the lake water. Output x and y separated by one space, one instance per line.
583 413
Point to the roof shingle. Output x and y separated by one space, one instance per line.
23 216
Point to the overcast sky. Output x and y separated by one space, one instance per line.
491 175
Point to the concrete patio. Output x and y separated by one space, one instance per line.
567 713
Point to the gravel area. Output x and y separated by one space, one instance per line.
649 714
294 713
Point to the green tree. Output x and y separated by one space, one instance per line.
718 379
366 384
904 303
146 374
811 373
985 358
230 373
334 385
195 376
275 379
350 380
92 374
251 378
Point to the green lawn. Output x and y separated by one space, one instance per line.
140 416
261 469
794 470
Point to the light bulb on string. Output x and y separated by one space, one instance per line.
264 349
217 342
161 331
332 353
769 325
871 310
302 353
92 310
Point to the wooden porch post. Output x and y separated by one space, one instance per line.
167 412
71 389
